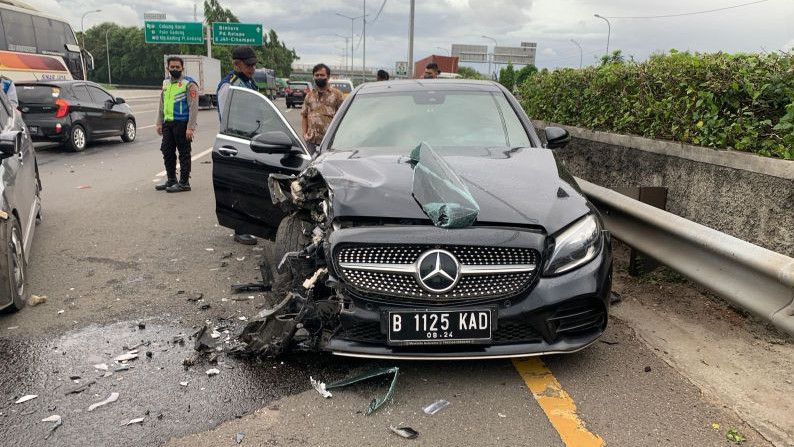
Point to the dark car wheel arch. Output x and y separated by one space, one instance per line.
13 268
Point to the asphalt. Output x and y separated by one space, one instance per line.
112 253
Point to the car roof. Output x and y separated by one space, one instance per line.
418 85
297 82
62 83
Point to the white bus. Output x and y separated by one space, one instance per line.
37 46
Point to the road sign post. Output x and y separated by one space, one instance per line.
173 32
237 34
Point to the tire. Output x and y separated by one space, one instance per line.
129 131
78 139
289 105
13 269
289 237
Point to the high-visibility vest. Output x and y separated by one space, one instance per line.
175 105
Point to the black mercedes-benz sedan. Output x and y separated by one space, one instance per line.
433 223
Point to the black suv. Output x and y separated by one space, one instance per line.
434 223
296 91
74 113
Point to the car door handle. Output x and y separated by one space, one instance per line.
227 151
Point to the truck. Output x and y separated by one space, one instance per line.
265 79
206 71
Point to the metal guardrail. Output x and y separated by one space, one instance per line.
751 277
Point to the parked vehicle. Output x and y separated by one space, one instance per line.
265 79
296 91
206 71
343 85
434 224
20 205
281 87
74 113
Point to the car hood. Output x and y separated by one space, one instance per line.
523 186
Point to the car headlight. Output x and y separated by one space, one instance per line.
576 246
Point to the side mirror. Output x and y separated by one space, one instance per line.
120 101
557 138
274 142
10 143
109 104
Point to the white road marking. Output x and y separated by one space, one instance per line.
144 111
146 127
193 158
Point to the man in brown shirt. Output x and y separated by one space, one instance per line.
319 107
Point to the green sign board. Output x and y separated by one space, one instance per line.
237 34
174 32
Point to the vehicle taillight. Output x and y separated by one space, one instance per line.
63 108
288 90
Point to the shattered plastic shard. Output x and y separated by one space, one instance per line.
376 403
54 418
128 356
101 366
212 372
112 398
133 421
320 387
405 432
435 407
26 398
440 192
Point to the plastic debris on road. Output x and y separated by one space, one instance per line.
133 422
238 438
376 403
101 366
79 389
26 398
213 372
404 432
435 407
35 300
58 421
128 356
183 383
110 399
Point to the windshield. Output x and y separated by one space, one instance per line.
343 87
439 118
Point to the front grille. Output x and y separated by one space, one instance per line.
404 284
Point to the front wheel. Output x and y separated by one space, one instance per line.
77 139
129 131
13 269
289 237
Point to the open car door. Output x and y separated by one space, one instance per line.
240 170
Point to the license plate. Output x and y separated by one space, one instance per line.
423 327
33 129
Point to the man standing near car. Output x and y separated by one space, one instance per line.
244 63
319 107
176 121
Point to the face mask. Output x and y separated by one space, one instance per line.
175 73
321 83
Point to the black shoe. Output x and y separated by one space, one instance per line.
245 239
163 186
178 187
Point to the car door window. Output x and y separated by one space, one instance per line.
81 94
100 96
249 115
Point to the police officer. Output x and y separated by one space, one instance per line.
244 63
176 122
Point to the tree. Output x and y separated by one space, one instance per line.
524 74
615 58
469 73
507 77
215 12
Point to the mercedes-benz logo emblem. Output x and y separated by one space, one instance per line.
437 271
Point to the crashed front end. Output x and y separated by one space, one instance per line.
434 288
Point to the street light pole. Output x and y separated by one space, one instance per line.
609 29
580 51
352 37
82 26
107 50
364 51
495 44
411 41
346 40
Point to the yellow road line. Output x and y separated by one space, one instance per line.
556 403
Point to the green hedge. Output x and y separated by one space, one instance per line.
743 101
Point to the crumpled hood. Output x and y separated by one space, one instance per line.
523 186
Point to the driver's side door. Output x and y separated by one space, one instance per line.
239 175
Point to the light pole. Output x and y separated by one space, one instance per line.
352 29
107 50
580 51
82 26
495 44
609 29
444 50
346 40
364 51
411 41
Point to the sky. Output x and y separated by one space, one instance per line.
311 26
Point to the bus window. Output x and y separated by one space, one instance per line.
19 31
50 35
